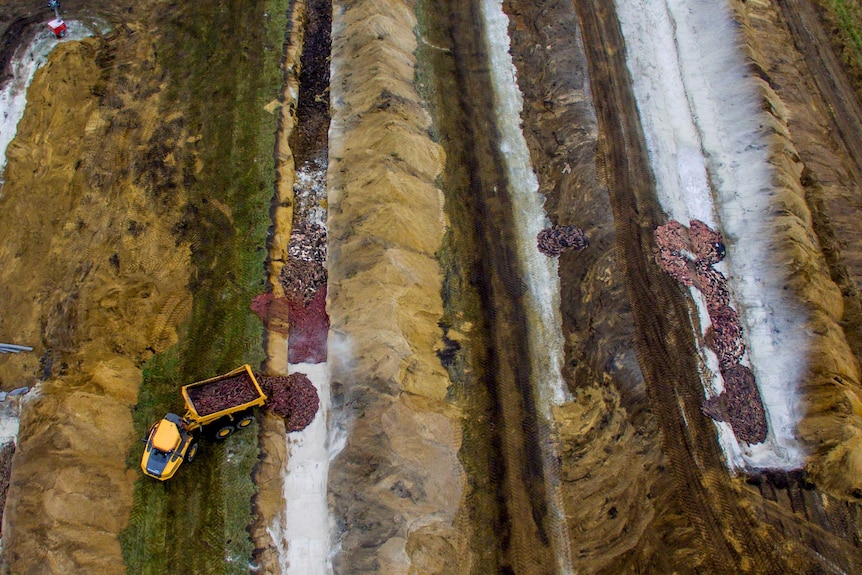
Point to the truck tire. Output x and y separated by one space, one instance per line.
224 431
244 422
192 452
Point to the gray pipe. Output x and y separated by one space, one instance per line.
12 348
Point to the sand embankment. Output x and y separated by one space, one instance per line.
91 275
811 182
397 485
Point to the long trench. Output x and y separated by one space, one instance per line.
731 538
509 503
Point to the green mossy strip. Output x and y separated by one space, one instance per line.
843 22
223 64
848 13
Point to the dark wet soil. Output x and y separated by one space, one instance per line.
7 450
13 35
309 139
508 501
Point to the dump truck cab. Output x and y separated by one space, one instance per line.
167 445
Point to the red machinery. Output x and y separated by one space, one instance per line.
57 26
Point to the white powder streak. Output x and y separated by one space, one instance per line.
307 524
703 124
540 272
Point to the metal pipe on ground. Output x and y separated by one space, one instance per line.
12 348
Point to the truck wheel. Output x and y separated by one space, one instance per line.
224 431
192 452
245 421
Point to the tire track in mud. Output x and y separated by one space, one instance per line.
730 538
843 107
512 499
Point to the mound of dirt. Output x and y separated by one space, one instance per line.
817 213
396 486
93 276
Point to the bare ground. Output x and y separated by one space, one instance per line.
97 278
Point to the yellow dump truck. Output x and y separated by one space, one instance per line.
223 404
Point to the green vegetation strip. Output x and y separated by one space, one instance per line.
848 13
223 61
843 22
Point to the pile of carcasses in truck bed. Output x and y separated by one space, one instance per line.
222 394
292 397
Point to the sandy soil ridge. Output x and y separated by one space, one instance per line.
396 486
78 272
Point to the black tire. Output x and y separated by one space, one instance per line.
244 422
192 452
224 431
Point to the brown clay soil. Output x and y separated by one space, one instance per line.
97 276
94 277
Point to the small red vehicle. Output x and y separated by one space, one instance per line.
58 27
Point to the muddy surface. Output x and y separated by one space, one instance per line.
442 469
508 500
714 522
98 281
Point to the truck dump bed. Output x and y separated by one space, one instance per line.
222 395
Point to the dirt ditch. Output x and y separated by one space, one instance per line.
153 203
508 501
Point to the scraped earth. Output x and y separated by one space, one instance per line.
442 469
94 278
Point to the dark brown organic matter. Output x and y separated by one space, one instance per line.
222 394
555 240
292 397
7 450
